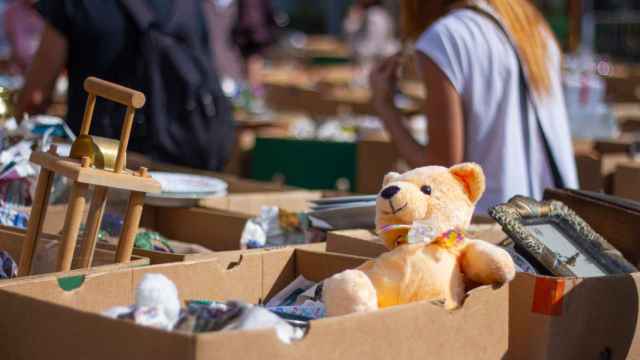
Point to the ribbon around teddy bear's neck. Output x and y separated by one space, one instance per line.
425 234
450 238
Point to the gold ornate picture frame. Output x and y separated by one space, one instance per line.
556 238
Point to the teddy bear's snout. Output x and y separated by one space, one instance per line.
389 192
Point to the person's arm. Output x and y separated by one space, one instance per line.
47 64
442 107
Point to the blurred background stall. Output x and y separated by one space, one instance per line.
296 76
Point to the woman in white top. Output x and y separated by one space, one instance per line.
494 95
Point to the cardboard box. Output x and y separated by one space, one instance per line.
589 167
626 180
285 97
560 318
54 221
574 318
581 318
218 230
54 218
596 171
358 242
65 323
159 257
375 158
219 223
596 162
11 242
623 88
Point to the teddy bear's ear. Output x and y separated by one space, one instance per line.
389 178
472 176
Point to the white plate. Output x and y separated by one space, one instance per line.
184 189
172 201
178 184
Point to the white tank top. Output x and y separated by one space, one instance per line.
481 64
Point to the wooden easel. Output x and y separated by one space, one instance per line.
81 170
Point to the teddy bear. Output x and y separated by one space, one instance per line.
442 266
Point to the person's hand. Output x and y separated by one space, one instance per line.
383 81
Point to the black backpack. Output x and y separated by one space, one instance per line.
187 118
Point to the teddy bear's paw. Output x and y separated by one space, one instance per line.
497 286
447 305
487 264
451 305
348 292
505 271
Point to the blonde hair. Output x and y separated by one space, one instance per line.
522 20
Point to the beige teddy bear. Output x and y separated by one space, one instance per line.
437 269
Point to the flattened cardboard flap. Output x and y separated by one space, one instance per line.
357 242
252 203
317 266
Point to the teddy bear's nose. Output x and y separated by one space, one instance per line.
389 192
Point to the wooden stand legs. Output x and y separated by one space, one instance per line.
77 201
36 220
130 227
94 219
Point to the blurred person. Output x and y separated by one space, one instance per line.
494 95
369 30
160 47
253 32
23 28
221 15
241 30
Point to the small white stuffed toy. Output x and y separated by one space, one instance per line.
157 303
156 291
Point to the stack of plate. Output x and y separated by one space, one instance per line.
348 212
184 190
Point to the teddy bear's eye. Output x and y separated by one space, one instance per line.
426 189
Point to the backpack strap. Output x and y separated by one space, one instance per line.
142 16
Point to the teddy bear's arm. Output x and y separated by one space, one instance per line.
486 264
454 291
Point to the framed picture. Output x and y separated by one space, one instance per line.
554 237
